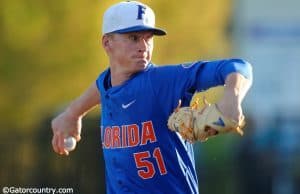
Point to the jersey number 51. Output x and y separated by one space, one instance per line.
142 160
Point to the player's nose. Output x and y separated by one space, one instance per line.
143 45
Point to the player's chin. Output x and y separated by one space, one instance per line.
141 64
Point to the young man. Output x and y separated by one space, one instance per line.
141 154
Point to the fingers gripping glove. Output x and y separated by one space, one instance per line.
211 118
199 124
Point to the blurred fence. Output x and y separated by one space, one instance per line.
264 161
28 160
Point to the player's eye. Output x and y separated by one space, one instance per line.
133 37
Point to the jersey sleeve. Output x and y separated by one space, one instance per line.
214 73
174 82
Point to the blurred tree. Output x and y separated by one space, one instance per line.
50 52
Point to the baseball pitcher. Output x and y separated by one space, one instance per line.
147 122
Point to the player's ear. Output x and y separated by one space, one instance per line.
106 41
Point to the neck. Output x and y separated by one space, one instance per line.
119 77
120 74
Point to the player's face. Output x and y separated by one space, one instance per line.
131 52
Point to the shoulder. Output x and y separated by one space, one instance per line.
177 66
101 78
179 70
161 70
104 73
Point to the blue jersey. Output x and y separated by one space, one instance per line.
141 154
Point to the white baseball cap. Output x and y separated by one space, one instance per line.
130 16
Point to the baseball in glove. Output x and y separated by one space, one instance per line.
194 123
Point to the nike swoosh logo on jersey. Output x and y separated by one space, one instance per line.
219 122
124 106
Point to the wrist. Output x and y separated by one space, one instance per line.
72 114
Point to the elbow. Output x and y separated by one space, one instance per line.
248 70
244 68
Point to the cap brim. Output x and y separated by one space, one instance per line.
156 31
